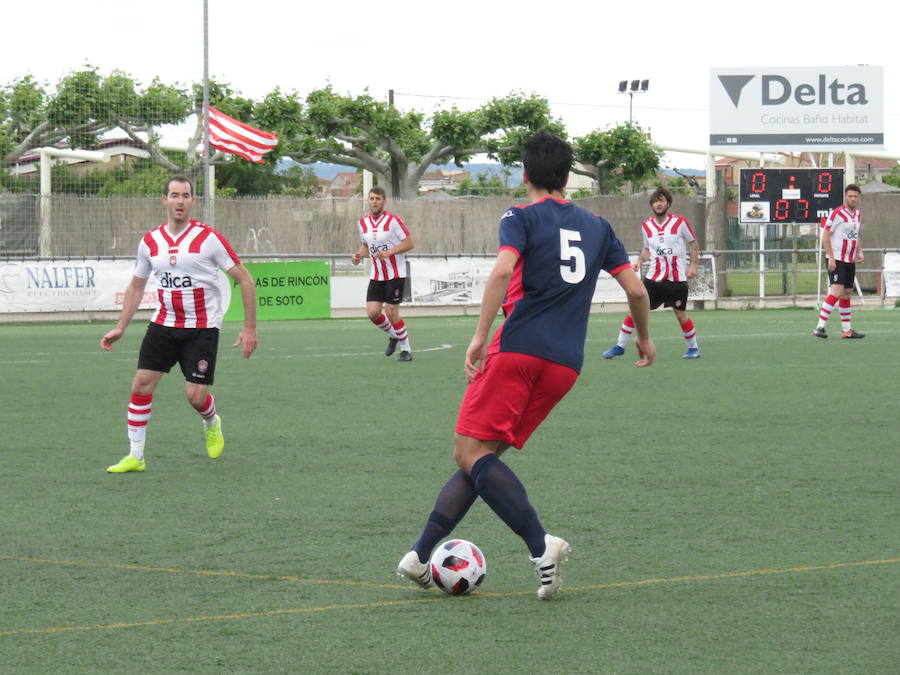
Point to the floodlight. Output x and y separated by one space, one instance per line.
632 87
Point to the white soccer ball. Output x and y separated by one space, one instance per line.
458 567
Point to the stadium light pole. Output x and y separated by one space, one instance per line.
631 88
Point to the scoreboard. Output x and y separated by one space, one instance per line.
789 195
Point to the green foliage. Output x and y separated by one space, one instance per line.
893 178
301 181
22 108
246 178
81 108
581 193
488 184
618 155
146 179
366 133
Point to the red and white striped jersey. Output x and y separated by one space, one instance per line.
380 233
187 269
844 226
668 246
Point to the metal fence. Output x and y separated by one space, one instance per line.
283 228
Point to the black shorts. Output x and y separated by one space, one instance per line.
672 294
390 291
844 274
194 348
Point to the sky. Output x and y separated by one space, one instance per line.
462 52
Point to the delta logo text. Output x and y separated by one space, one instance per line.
778 90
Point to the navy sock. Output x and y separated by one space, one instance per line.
502 490
453 501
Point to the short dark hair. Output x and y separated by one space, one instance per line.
378 190
852 186
548 160
178 179
663 192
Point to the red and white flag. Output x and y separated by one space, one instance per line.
228 135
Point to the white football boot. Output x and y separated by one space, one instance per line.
417 572
549 566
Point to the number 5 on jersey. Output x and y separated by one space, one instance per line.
573 269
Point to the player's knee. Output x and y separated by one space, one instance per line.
143 386
196 396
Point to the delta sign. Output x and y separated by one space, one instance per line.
831 109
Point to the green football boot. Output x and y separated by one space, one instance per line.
126 464
215 441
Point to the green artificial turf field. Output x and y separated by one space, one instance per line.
735 514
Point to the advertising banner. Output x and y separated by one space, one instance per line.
286 290
75 286
461 281
892 275
832 109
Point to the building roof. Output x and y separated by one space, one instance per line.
343 185
105 145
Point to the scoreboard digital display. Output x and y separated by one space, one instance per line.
789 195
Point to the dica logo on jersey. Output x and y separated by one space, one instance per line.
291 290
169 280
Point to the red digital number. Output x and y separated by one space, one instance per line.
782 207
802 210
758 183
825 181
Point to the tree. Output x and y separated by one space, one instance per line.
614 156
893 178
83 107
369 134
488 185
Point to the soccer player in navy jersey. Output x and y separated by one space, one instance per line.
551 253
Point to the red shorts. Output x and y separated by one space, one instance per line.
511 397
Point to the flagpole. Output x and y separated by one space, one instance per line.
209 188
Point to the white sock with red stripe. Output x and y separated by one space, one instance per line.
401 335
626 331
384 324
207 410
845 314
825 310
690 333
138 416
